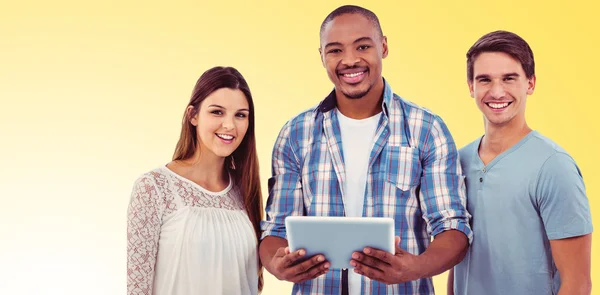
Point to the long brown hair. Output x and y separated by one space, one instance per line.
245 159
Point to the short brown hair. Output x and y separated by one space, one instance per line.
502 41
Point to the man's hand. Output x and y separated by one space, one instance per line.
290 267
386 268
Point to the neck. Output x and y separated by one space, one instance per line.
202 167
364 107
498 139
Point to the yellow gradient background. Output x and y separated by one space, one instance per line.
92 94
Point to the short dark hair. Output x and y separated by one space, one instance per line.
502 41
352 9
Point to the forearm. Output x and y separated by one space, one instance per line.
447 249
572 257
267 249
575 286
143 233
141 260
450 285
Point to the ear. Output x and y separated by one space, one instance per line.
192 115
322 57
531 85
471 91
384 46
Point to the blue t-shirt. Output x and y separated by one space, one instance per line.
528 195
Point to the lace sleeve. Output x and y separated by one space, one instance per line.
143 230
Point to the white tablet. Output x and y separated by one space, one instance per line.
338 237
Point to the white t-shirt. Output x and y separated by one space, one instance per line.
357 143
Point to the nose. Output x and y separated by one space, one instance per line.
497 90
228 123
350 58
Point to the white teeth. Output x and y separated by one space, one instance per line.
225 136
498 105
353 74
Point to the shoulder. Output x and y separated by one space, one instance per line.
424 126
466 154
300 122
559 164
297 133
546 145
400 107
540 152
469 149
154 179
416 113
556 170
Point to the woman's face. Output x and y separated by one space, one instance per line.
222 121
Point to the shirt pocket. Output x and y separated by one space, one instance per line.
403 167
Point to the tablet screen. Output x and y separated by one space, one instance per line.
337 237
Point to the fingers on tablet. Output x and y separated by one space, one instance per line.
383 255
379 254
310 269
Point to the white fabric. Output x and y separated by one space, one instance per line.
357 142
183 239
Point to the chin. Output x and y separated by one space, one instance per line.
224 154
356 93
498 121
221 152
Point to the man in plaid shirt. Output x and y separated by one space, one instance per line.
364 151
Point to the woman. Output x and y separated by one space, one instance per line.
193 224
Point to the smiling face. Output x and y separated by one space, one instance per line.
500 88
221 122
352 50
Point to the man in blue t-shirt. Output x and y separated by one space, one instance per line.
530 215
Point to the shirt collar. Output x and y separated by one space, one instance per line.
330 102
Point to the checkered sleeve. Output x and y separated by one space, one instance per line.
285 186
443 191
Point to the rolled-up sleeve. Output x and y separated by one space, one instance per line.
443 190
285 186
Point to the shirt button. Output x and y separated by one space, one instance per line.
480 179
483 170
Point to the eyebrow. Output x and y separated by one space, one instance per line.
482 76
361 39
218 106
511 75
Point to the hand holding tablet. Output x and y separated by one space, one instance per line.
295 266
336 238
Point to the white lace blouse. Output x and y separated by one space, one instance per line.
184 239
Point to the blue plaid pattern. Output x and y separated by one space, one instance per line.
414 177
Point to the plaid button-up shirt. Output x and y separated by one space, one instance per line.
414 176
